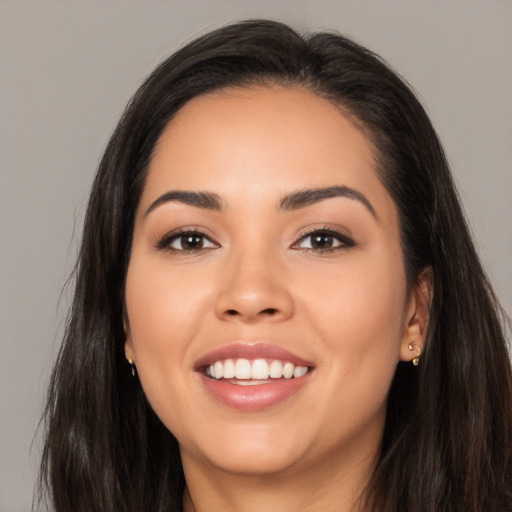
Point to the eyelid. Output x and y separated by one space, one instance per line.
164 242
346 241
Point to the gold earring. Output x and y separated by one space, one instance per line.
130 362
416 360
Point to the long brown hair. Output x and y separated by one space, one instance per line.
448 435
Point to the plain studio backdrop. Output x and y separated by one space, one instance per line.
67 70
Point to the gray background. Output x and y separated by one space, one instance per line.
68 68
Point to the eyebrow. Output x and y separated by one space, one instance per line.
303 198
290 202
206 200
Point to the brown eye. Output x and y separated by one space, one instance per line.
324 240
189 241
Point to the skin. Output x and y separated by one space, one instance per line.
257 279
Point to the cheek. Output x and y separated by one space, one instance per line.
164 309
358 309
160 299
362 295
361 326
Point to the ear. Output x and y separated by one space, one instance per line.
128 347
128 352
417 316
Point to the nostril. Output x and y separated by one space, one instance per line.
267 311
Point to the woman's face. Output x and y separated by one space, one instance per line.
264 242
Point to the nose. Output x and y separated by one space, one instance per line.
254 288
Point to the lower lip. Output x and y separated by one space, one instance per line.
255 397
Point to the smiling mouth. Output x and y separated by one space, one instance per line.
245 372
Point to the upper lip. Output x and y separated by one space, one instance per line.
250 351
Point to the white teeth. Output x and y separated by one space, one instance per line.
276 369
242 369
299 371
229 369
288 370
218 370
257 370
249 382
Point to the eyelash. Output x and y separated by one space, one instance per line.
166 242
344 241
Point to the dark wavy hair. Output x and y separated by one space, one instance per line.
448 434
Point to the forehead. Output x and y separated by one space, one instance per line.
261 140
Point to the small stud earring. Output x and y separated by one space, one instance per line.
416 360
130 362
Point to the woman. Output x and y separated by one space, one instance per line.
278 305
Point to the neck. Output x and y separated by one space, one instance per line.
328 486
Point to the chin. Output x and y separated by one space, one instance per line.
253 463
250 451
